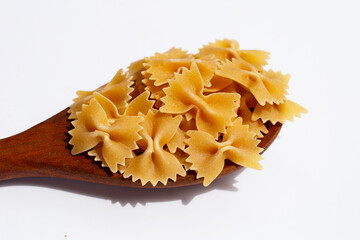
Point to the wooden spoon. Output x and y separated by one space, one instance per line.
43 151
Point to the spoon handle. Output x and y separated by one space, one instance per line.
28 153
11 153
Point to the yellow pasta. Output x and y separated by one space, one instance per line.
83 98
182 156
207 155
265 86
255 57
217 84
228 49
255 125
156 91
278 112
225 43
177 141
163 70
136 70
175 111
140 104
97 124
162 66
221 50
213 112
117 90
156 164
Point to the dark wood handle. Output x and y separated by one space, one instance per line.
30 153
11 157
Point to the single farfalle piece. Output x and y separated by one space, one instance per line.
282 112
207 155
155 164
266 86
228 49
100 123
221 50
213 112
162 67
117 90
257 58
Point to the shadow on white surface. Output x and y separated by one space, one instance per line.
125 195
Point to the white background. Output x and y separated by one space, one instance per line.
309 188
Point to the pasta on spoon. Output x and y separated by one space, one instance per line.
177 112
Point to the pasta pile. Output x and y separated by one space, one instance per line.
176 111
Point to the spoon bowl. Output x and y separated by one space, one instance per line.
43 151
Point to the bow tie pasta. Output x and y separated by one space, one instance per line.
176 112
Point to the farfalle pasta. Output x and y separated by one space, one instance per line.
99 121
207 155
155 163
176 112
212 112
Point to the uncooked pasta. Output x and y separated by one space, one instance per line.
175 112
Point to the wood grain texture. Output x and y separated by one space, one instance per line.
43 151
